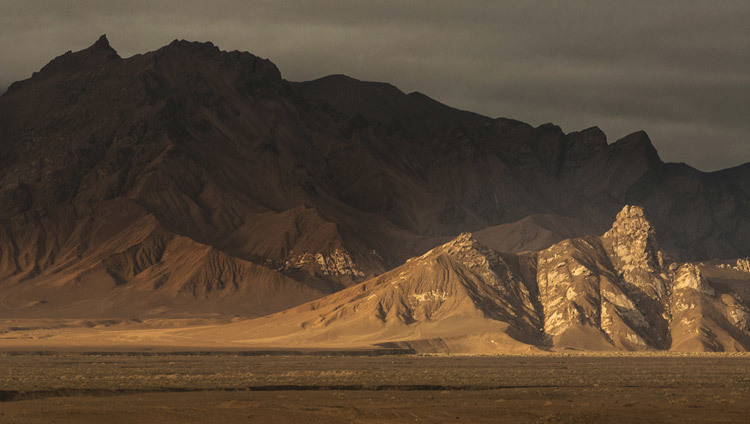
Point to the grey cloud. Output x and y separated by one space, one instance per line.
677 70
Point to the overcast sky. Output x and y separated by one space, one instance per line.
679 70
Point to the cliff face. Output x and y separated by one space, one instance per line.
106 161
613 292
621 287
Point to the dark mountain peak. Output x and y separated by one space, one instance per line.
184 49
583 145
386 104
340 83
102 43
180 55
639 144
590 139
593 131
375 101
94 56
193 46
636 138
550 127
100 49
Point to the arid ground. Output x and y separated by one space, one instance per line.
320 387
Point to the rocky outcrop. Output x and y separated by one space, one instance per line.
336 263
743 264
634 251
593 293
619 289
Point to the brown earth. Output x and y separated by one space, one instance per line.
228 387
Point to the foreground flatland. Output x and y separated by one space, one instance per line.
228 387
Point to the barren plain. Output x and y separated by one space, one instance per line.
371 387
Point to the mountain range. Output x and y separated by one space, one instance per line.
190 181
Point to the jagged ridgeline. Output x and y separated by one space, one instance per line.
190 181
611 292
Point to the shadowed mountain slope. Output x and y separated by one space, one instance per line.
316 185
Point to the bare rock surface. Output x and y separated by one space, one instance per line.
191 180
614 292
593 293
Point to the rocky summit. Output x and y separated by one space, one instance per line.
191 182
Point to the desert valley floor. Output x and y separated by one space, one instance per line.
370 387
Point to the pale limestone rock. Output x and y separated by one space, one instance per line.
566 289
335 263
634 251
689 277
737 312
743 264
